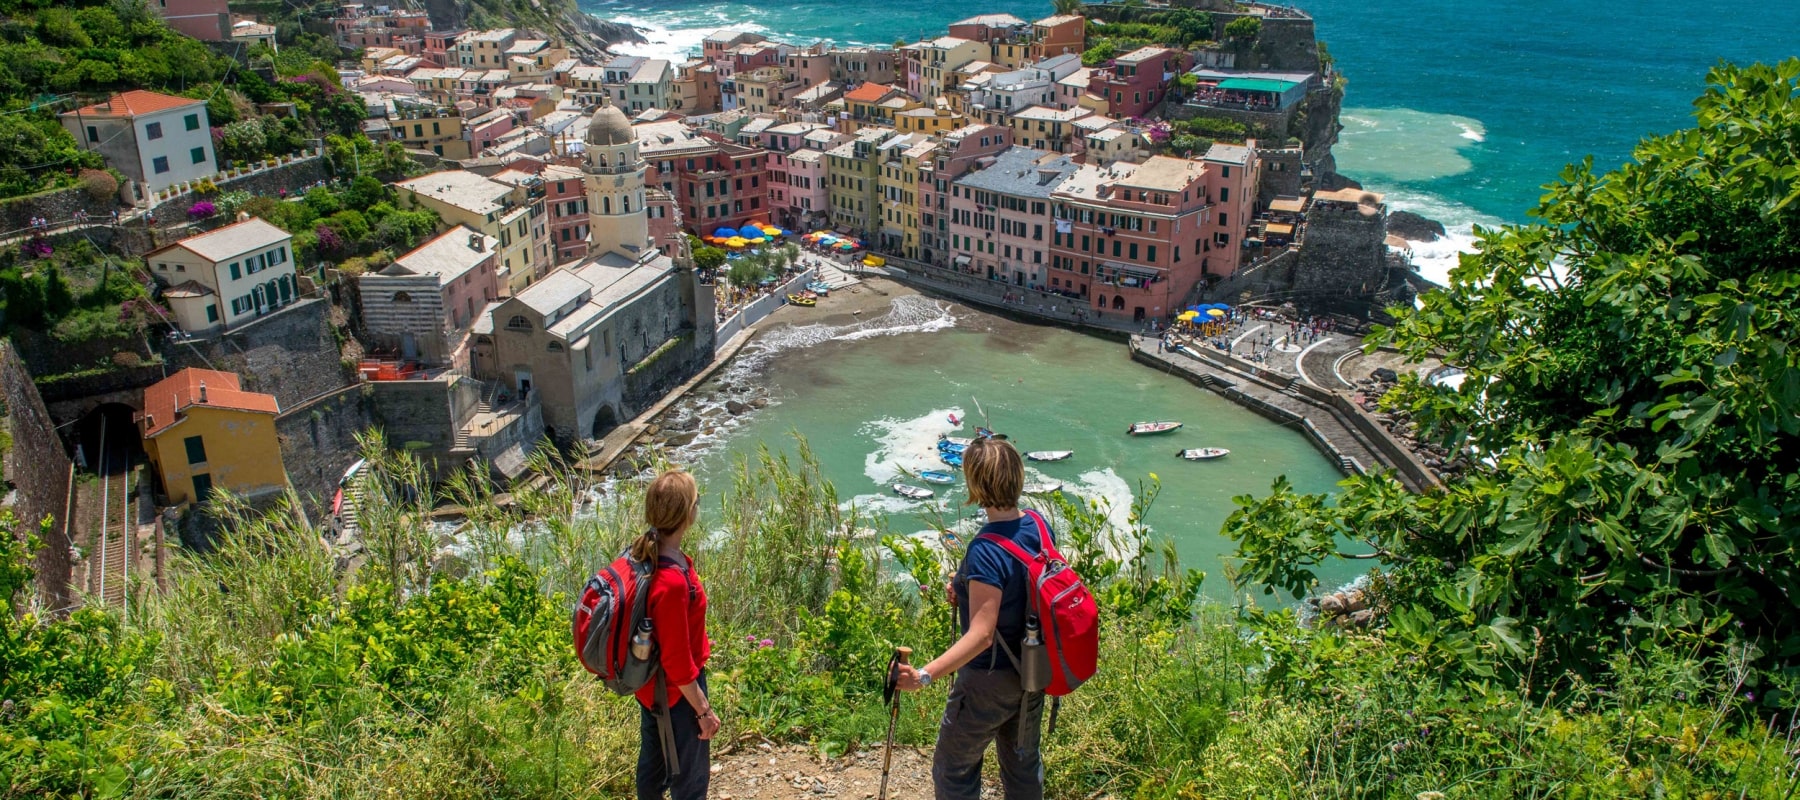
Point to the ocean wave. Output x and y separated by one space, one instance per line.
908 445
908 314
1434 260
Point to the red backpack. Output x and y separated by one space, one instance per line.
613 607
1066 613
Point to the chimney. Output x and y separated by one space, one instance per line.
476 244
203 391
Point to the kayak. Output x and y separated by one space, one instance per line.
1049 455
802 301
1147 428
953 459
913 492
1204 453
937 476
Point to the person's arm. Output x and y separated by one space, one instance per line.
669 616
984 619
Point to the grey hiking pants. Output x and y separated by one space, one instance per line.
985 707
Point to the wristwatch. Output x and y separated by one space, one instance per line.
924 679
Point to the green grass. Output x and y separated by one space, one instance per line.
266 671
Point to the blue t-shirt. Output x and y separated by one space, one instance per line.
989 563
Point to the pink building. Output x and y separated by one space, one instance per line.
424 303
782 141
1000 223
565 199
1136 81
1134 239
206 20
959 152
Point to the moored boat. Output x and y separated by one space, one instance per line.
937 476
820 288
953 458
1049 455
913 492
1147 428
802 300
955 440
1204 453
1047 487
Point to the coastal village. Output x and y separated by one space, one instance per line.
587 235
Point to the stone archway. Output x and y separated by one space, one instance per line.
605 420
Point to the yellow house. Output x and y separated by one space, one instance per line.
512 214
431 129
930 121
202 432
907 212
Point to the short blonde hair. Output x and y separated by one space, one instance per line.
669 508
995 473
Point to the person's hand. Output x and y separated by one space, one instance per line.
908 680
950 592
709 724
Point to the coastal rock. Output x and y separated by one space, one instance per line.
682 439
760 402
736 407
1332 181
1414 228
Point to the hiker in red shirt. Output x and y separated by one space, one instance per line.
677 611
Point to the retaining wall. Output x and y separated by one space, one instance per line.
756 311
40 472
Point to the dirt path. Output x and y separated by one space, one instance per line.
793 772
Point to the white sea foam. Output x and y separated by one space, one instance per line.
1434 260
907 444
1472 132
909 314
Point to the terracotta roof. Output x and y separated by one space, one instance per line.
135 102
165 401
868 92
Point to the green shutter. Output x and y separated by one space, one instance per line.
196 450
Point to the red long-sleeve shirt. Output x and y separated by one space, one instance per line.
678 617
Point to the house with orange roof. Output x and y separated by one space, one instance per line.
157 140
203 431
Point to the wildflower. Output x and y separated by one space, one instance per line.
766 643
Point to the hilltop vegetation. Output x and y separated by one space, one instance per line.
1605 610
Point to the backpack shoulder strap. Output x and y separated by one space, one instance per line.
1044 537
1009 546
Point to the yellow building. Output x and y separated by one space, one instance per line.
900 191
929 121
431 129
512 214
202 432
853 181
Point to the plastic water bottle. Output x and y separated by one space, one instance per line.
640 641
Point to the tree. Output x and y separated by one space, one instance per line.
1632 393
1244 28
706 257
1066 7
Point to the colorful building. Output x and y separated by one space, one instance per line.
1000 215
203 432
957 153
155 139
423 305
225 278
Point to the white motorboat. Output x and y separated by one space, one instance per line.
1049 455
1204 453
913 492
1147 428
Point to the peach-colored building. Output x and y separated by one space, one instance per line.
1000 224
958 152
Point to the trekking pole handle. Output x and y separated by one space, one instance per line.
903 655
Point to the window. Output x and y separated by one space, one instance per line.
153 130
1222 218
1224 193
402 297
93 134
198 154
235 273
1225 172
160 164
191 122
212 312
553 347
196 449
518 323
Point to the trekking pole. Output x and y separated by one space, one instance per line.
892 698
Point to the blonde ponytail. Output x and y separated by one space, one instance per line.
669 508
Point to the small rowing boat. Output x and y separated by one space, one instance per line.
954 459
937 476
913 492
801 300
946 446
820 288
1147 428
1204 453
955 440
1049 455
1048 487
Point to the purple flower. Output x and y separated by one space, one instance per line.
202 210
766 643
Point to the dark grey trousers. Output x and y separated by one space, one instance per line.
691 752
985 707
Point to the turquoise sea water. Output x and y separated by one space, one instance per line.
1457 109
872 398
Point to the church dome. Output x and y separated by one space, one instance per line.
609 128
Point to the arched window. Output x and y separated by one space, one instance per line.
1102 301
606 205
484 339
553 347
402 297
1119 302
518 323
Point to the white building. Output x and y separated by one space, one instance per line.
227 277
155 139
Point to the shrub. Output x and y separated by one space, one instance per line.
202 210
100 185
1244 28
127 359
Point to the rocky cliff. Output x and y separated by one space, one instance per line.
585 34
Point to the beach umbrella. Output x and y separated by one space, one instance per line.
1189 314
725 233
756 240
737 241
1215 313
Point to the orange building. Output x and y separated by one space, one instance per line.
203 432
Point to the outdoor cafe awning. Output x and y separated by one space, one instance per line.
961 261
1278 229
1256 85
1287 205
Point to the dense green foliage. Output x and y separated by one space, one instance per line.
54 56
355 222
1174 27
1633 387
75 293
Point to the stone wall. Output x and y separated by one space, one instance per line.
291 176
1344 258
57 206
1279 175
292 354
39 472
1271 125
755 312
1270 280
318 442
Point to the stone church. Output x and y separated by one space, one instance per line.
599 341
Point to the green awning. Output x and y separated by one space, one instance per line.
1256 85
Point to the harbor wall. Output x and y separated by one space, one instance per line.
756 311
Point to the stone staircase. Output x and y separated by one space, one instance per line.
834 277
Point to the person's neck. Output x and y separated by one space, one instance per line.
1002 514
671 545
